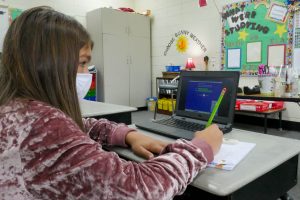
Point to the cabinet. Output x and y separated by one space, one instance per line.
122 56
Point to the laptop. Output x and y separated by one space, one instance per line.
198 92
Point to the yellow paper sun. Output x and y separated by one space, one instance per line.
182 44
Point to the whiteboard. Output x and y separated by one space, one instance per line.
4 24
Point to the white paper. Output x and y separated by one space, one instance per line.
231 154
234 58
278 12
276 55
254 52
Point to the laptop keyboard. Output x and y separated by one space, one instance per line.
190 126
186 125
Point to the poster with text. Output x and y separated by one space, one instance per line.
252 27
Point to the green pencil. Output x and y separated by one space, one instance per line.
216 107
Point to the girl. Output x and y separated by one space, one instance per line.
47 151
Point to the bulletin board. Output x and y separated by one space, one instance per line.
261 30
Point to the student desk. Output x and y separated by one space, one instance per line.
268 98
266 173
112 112
265 114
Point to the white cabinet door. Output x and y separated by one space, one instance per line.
114 22
116 70
140 71
139 25
122 56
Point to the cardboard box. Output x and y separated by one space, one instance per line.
276 104
238 102
255 106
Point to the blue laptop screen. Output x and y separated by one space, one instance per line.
202 96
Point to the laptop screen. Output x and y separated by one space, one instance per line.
199 91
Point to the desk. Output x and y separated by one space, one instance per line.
268 98
265 113
112 112
266 173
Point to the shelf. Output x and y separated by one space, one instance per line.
165 112
164 87
170 74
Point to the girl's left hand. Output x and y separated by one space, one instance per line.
143 145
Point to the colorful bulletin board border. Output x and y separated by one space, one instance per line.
254 26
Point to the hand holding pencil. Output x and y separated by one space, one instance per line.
212 134
216 107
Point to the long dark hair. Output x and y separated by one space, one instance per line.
40 59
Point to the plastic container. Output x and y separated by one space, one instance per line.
160 104
172 68
151 101
294 83
266 83
170 104
165 105
277 87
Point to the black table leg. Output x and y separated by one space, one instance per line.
265 123
280 121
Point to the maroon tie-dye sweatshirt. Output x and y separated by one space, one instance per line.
45 155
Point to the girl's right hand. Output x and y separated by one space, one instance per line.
211 135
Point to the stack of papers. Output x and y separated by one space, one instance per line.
230 154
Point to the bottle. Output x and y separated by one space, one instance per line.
288 86
294 83
277 86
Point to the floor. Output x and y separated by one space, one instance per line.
294 192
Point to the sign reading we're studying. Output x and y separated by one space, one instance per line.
251 32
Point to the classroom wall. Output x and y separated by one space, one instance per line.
171 16
75 8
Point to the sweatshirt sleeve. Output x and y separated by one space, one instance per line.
106 132
61 162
